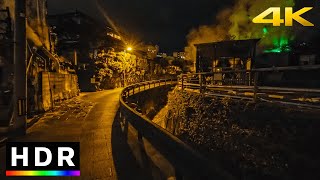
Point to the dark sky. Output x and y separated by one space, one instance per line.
162 22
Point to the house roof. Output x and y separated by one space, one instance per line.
231 48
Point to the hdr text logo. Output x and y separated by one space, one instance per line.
43 159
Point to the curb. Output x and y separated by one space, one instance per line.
4 138
32 121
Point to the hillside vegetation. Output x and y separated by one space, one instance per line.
249 140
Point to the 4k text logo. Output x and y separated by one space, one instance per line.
289 17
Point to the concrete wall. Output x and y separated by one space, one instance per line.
56 87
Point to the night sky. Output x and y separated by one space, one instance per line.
162 22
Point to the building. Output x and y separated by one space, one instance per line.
152 51
49 77
110 32
294 55
180 55
79 35
162 55
79 38
236 54
299 54
71 34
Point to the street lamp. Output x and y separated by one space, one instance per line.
129 48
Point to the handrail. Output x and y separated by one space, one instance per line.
241 84
187 162
272 69
280 89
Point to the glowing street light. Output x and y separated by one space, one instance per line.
129 48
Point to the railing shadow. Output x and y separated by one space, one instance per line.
126 165
158 151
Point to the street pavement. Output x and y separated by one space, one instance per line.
90 119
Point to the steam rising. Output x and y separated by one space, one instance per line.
236 23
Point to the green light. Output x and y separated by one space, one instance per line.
280 45
284 41
278 50
273 51
265 31
280 42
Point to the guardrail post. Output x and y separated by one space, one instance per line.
201 83
212 78
247 78
250 78
125 127
256 88
182 84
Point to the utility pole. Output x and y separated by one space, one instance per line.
19 123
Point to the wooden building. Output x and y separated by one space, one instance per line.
226 55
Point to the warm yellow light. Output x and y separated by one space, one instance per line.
129 48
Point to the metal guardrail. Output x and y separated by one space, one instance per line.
186 162
244 83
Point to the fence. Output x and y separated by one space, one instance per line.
284 83
172 157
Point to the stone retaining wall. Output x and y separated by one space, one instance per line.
57 87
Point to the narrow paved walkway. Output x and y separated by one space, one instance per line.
90 120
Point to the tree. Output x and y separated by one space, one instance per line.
114 69
163 62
